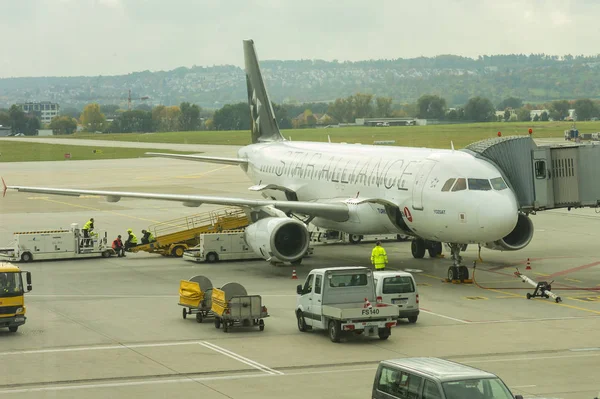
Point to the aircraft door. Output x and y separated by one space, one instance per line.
420 180
543 183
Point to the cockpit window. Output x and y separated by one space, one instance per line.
498 183
461 184
479 184
448 184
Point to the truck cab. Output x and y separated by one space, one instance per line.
342 300
12 303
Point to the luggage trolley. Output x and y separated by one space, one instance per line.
232 306
195 295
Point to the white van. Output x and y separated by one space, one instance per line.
398 288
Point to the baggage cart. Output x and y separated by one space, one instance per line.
232 306
195 295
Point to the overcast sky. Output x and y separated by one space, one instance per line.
108 37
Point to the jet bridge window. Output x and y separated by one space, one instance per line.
461 184
479 184
498 183
540 169
448 184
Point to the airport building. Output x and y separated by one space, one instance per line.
44 110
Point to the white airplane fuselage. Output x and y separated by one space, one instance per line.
408 178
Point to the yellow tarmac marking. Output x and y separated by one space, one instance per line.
431 276
542 274
508 296
100 210
573 280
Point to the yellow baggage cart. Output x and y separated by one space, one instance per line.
195 295
232 306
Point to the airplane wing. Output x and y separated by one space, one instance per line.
201 158
332 211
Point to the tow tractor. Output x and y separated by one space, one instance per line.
12 302
28 246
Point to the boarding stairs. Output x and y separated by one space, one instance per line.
175 236
549 176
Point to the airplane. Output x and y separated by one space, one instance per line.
433 195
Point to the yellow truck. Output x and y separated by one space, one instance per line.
12 303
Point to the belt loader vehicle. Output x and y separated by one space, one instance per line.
56 244
342 300
12 302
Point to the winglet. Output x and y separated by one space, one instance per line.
4 188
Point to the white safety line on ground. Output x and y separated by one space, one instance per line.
96 348
528 320
156 381
445 317
240 358
529 359
584 349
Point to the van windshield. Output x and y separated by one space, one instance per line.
398 285
483 388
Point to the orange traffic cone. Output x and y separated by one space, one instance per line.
294 277
367 304
528 265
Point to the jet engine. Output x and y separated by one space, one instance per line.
278 239
517 239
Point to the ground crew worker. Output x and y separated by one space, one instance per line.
87 228
379 257
147 237
117 245
131 240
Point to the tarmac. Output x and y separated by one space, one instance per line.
100 328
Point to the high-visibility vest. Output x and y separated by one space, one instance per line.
379 257
88 225
150 237
132 238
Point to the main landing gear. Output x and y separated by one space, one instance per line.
457 272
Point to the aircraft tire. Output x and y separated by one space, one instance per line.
417 247
435 249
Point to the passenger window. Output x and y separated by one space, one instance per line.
398 285
498 183
308 285
389 382
448 184
348 280
479 184
318 284
431 391
540 169
461 184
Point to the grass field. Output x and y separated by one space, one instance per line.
435 136
22 151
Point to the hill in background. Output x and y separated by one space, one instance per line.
534 78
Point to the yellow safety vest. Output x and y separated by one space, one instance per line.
132 238
379 257
88 225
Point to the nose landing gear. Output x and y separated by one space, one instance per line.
458 273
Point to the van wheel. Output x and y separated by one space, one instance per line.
106 254
412 319
334 331
13 328
301 321
212 257
384 333
26 257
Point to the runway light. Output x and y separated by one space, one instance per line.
499 134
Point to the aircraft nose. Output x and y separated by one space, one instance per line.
498 216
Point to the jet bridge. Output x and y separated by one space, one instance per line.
545 176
